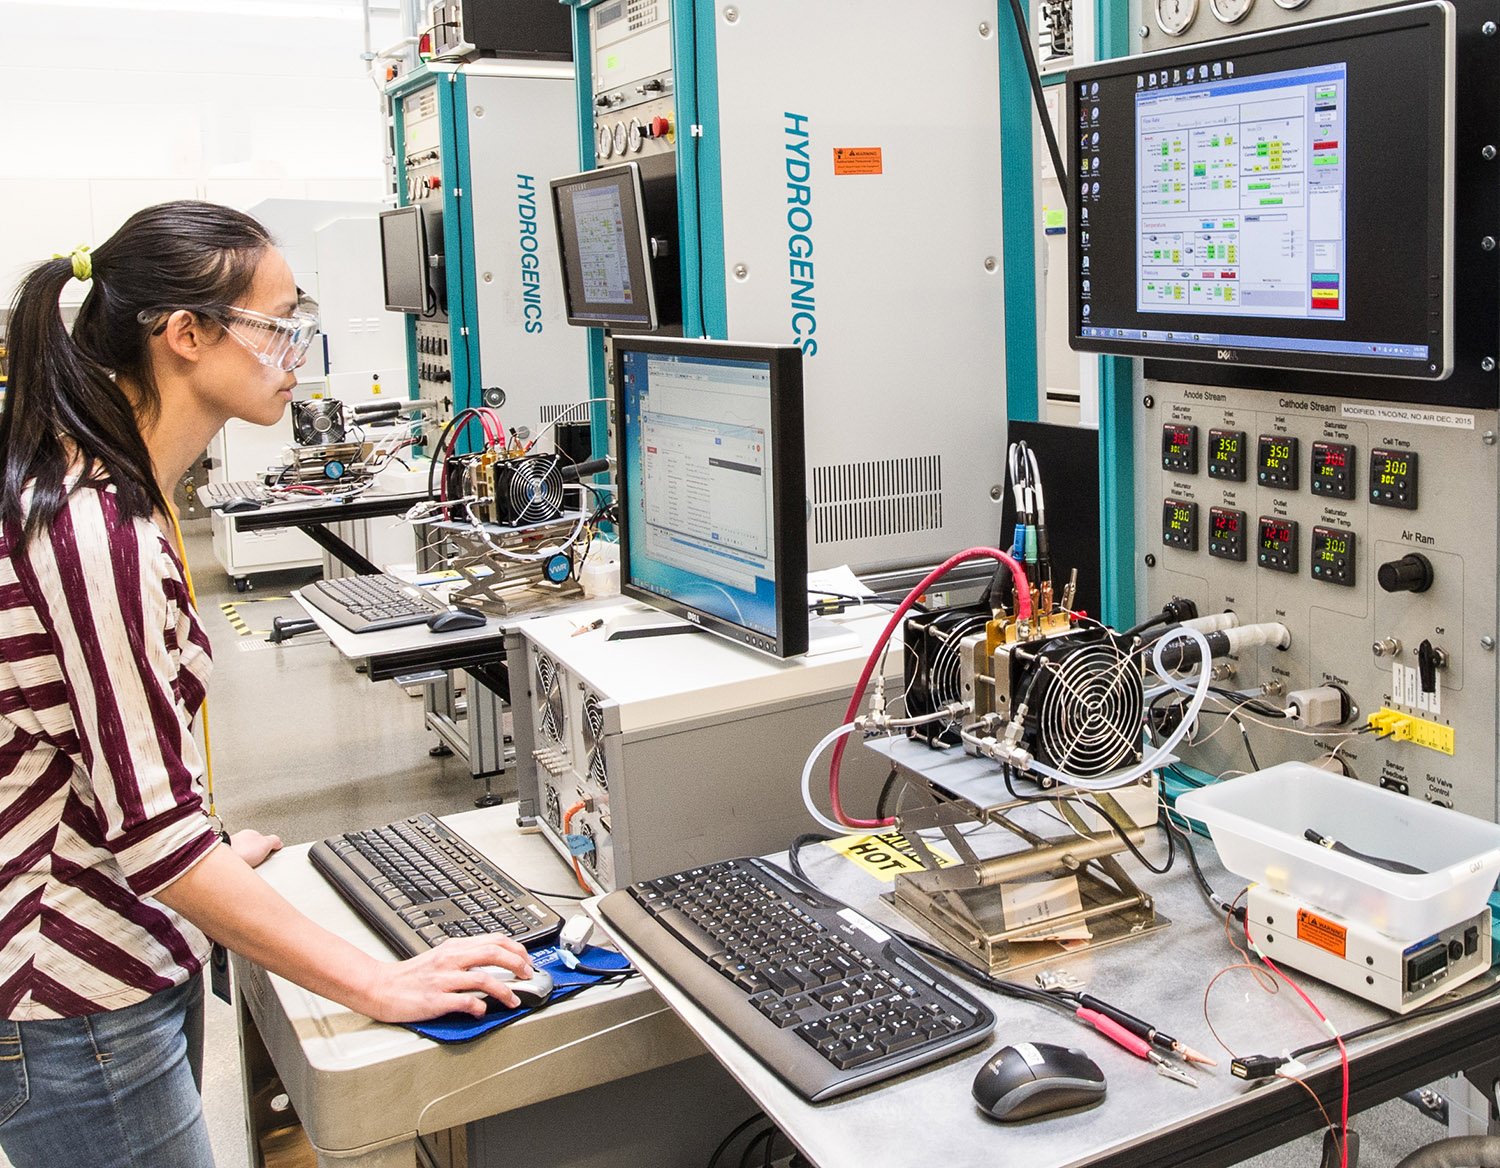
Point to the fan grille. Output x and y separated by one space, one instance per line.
550 712
1089 721
593 739
533 489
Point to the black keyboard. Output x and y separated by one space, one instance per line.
217 494
367 604
417 883
826 999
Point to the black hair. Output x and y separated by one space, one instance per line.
64 405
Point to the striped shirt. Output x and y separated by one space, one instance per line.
102 667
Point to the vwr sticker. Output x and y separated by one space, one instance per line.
886 855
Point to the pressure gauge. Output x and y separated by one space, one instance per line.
1291 5
1174 17
633 133
605 146
1231 11
620 136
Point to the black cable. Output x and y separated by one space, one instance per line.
885 792
745 1156
1010 989
559 895
1244 703
810 837
1396 1020
732 1136
1007 774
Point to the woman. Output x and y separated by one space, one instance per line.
111 873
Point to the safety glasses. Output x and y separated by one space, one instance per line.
278 342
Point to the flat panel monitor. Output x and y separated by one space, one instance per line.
712 486
403 260
605 249
1282 199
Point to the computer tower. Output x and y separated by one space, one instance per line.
657 754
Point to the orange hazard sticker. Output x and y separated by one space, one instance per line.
857 160
1322 932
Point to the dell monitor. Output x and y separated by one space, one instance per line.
1283 199
403 260
712 486
614 233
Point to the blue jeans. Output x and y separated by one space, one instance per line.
118 1089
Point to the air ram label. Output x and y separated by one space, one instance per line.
531 264
799 222
884 856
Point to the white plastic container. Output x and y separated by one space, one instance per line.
1257 823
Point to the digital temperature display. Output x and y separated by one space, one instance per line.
1333 555
1333 470
1179 448
1276 461
1393 478
1226 533
1226 455
1278 544
1179 524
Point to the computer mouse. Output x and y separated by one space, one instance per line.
239 503
532 991
1037 1078
454 619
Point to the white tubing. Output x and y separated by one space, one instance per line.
1254 636
1164 751
823 744
1214 622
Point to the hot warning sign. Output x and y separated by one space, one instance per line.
857 160
884 855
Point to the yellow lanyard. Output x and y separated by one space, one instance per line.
208 757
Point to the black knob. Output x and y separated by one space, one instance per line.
1411 573
1429 660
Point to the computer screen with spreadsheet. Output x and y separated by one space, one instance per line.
712 486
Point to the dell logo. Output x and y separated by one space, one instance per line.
694 617
1226 355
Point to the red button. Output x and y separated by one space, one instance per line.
433 182
660 127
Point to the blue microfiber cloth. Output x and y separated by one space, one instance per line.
592 965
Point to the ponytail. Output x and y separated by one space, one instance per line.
64 406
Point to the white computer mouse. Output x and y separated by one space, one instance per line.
532 991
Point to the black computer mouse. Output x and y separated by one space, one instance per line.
1037 1078
239 503
454 619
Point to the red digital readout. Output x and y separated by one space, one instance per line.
1226 522
1333 456
1276 532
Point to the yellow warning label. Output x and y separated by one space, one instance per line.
857 160
884 856
1322 932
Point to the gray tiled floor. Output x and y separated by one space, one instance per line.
305 747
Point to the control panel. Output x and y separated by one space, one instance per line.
421 176
634 109
1389 591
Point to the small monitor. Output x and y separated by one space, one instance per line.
712 486
606 250
403 260
1282 199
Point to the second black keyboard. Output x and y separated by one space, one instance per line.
417 882
825 998
367 604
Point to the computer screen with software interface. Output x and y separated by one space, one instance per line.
712 486
1279 199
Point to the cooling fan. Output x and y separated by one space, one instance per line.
593 740
318 423
528 490
549 699
1085 699
933 644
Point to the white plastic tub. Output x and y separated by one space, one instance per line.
1257 821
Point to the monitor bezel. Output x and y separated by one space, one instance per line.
788 487
414 212
1439 16
630 172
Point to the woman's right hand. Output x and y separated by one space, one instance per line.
434 983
